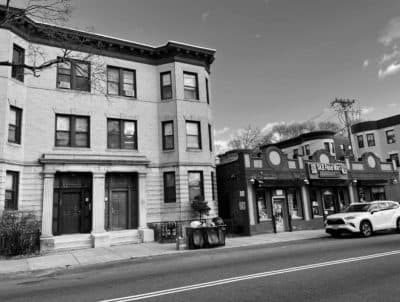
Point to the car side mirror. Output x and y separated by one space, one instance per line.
373 211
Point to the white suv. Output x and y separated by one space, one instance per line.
365 218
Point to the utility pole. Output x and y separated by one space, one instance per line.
345 107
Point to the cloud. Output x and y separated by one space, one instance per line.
258 36
391 32
204 16
268 127
267 2
392 105
221 146
389 70
221 131
367 110
387 57
365 63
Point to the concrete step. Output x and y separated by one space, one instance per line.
124 237
72 242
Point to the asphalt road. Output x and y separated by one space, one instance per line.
326 269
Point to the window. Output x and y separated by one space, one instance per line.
168 135
196 190
11 198
166 85
121 82
14 125
121 134
193 135
360 140
390 137
307 148
332 147
190 83
207 92
210 138
326 147
72 131
73 74
370 140
213 185
395 157
295 153
18 60
263 211
294 204
169 187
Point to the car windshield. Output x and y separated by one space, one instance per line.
357 208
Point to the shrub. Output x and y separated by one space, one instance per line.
19 234
201 206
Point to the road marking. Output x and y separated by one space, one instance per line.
248 277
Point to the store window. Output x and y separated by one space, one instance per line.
121 134
166 85
295 209
262 207
295 153
191 86
394 157
196 188
370 140
11 198
307 149
169 187
121 82
378 193
360 140
390 137
72 131
326 147
14 125
316 209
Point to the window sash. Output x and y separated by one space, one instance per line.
121 134
11 192
210 138
17 72
72 131
169 187
74 75
166 85
191 87
390 137
207 92
371 140
360 140
14 126
121 82
193 135
196 185
168 135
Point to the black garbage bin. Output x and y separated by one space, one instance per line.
194 238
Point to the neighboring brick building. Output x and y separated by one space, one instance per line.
100 159
271 191
381 137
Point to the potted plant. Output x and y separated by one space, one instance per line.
200 206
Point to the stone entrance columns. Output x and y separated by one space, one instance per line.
46 241
99 235
146 234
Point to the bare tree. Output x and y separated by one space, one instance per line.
53 13
247 138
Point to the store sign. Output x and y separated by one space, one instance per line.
327 170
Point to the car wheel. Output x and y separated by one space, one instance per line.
398 225
366 228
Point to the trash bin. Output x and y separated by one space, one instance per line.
205 237
194 238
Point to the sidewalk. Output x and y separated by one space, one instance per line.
79 258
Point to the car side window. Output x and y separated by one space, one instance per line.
393 206
374 208
383 206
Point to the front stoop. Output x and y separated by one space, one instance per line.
96 240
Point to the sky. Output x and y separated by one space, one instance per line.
276 60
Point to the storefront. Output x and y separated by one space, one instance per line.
267 192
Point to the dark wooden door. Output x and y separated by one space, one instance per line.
119 210
71 212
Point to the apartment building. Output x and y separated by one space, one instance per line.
109 140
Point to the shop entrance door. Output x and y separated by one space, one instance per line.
278 205
119 206
72 206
